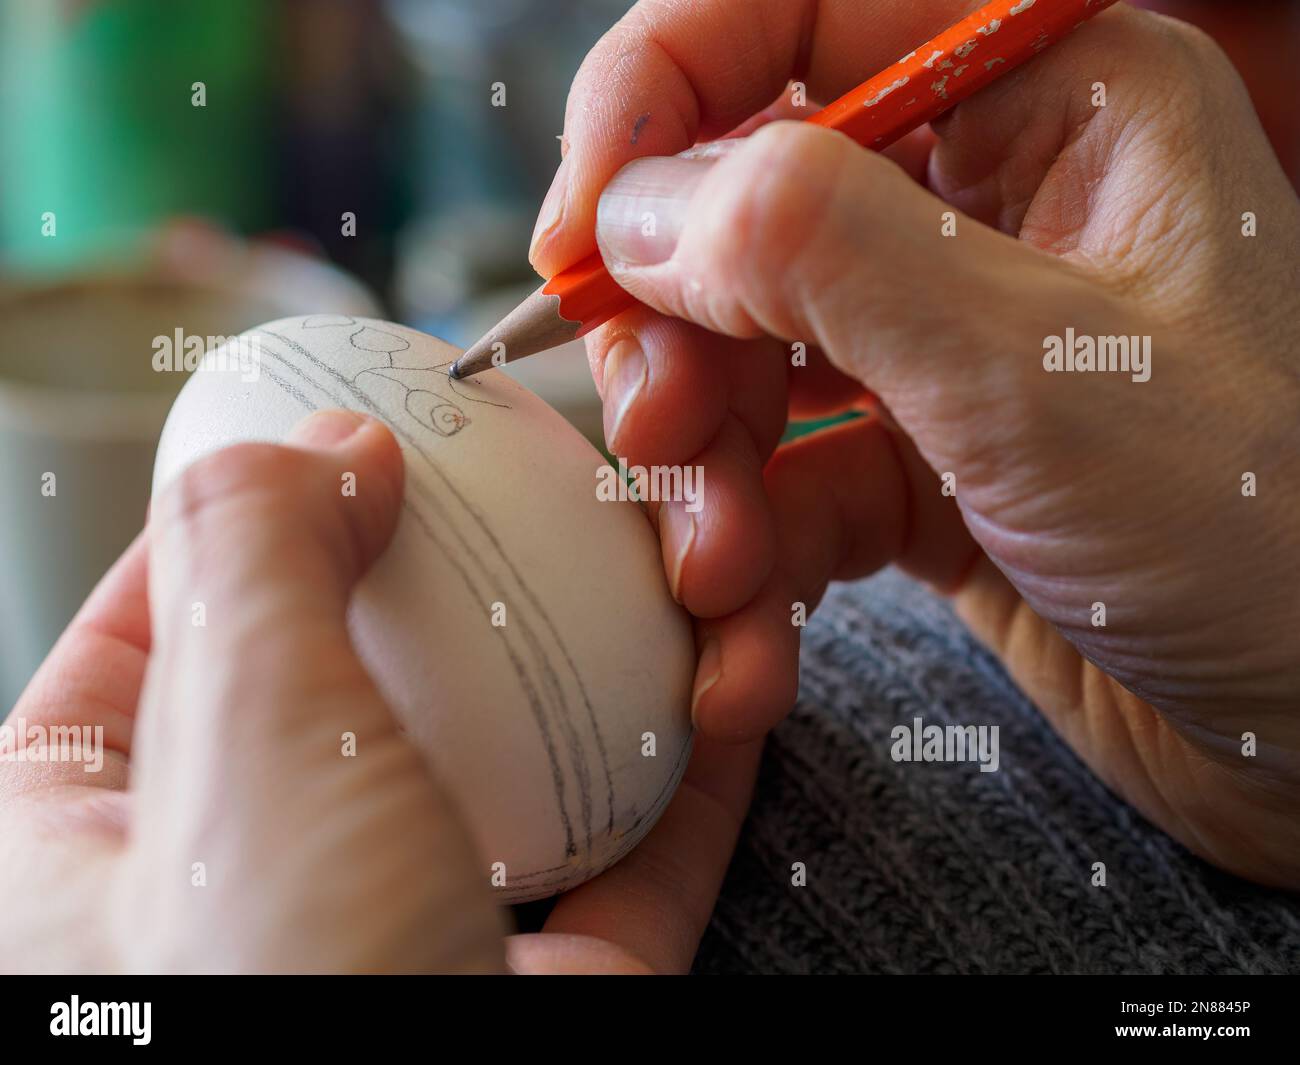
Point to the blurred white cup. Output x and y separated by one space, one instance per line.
82 406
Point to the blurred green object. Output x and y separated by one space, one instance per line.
797 429
97 123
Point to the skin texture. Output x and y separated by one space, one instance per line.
1071 489
224 746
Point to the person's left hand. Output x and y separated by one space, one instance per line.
225 830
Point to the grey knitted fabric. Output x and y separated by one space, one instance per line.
938 868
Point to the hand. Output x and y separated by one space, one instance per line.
224 747
1071 489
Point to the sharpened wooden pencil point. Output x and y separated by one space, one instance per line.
535 325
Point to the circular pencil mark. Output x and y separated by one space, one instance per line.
434 412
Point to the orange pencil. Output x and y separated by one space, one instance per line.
917 89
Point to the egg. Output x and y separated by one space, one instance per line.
520 626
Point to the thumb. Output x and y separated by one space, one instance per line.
799 233
263 749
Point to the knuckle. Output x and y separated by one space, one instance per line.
227 502
1191 46
780 224
220 513
1194 69
260 509
781 207
241 472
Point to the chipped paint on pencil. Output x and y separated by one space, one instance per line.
877 114
871 101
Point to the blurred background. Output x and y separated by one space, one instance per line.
207 165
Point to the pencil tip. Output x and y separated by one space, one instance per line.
535 325
474 359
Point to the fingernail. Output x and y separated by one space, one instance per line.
626 372
680 524
707 673
552 212
327 428
643 209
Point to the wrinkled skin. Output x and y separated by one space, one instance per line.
1070 489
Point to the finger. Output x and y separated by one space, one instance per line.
846 501
669 387
912 154
718 546
793 105
799 234
994 153
240 573
653 85
748 673
88 687
677 398
243 739
818 390
650 910
853 498
664 394
64 826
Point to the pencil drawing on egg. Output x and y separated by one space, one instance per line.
521 628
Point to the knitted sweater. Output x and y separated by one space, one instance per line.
936 867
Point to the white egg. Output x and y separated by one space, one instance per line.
521 628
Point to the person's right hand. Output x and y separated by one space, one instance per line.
1071 489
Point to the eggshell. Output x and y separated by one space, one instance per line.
537 726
